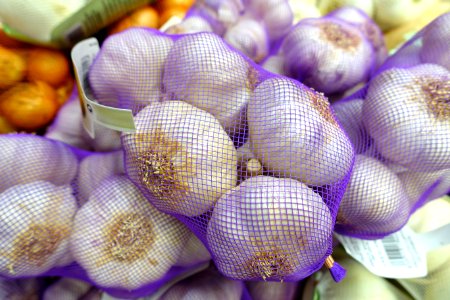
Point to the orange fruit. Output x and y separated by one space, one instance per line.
5 126
168 13
168 4
13 68
64 91
7 41
48 65
145 16
29 105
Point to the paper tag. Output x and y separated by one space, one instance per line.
398 255
119 119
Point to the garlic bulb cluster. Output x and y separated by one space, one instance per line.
435 39
271 290
26 158
375 202
121 240
270 228
293 132
67 289
96 167
407 113
181 156
203 71
327 54
193 252
127 72
36 221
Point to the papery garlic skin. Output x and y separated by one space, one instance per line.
435 39
127 72
274 64
181 156
407 113
328 6
26 158
270 228
248 36
121 240
36 221
203 71
327 54
67 289
96 167
193 252
270 290
375 202
293 131
192 24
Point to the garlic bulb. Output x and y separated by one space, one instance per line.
181 156
193 252
248 164
19 289
67 289
205 285
293 131
274 64
432 216
192 24
327 6
26 158
269 290
248 36
349 115
121 240
435 38
270 228
96 167
407 113
406 57
327 54
127 72
203 71
374 203
367 26
36 221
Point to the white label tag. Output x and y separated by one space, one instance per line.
398 255
119 119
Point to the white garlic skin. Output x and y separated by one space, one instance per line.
127 72
96 167
327 54
248 36
47 208
266 215
328 6
200 152
409 124
114 197
375 202
193 252
26 158
436 38
291 134
271 290
274 64
67 289
192 24
202 70
406 57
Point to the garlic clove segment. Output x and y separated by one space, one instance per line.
293 132
274 64
96 167
375 203
407 113
270 290
205 72
270 228
67 289
194 252
36 221
181 157
121 240
26 158
127 72
190 24
435 39
327 54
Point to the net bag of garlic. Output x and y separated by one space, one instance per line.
399 125
255 164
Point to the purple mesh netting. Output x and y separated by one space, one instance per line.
253 163
399 125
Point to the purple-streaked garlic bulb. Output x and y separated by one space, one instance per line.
327 54
328 6
127 72
406 57
293 131
181 156
26 158
192 24
248 36
67 289
121 240
367 26
436 42
270 228
36 220
407 113
193 252
375 202
202 70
